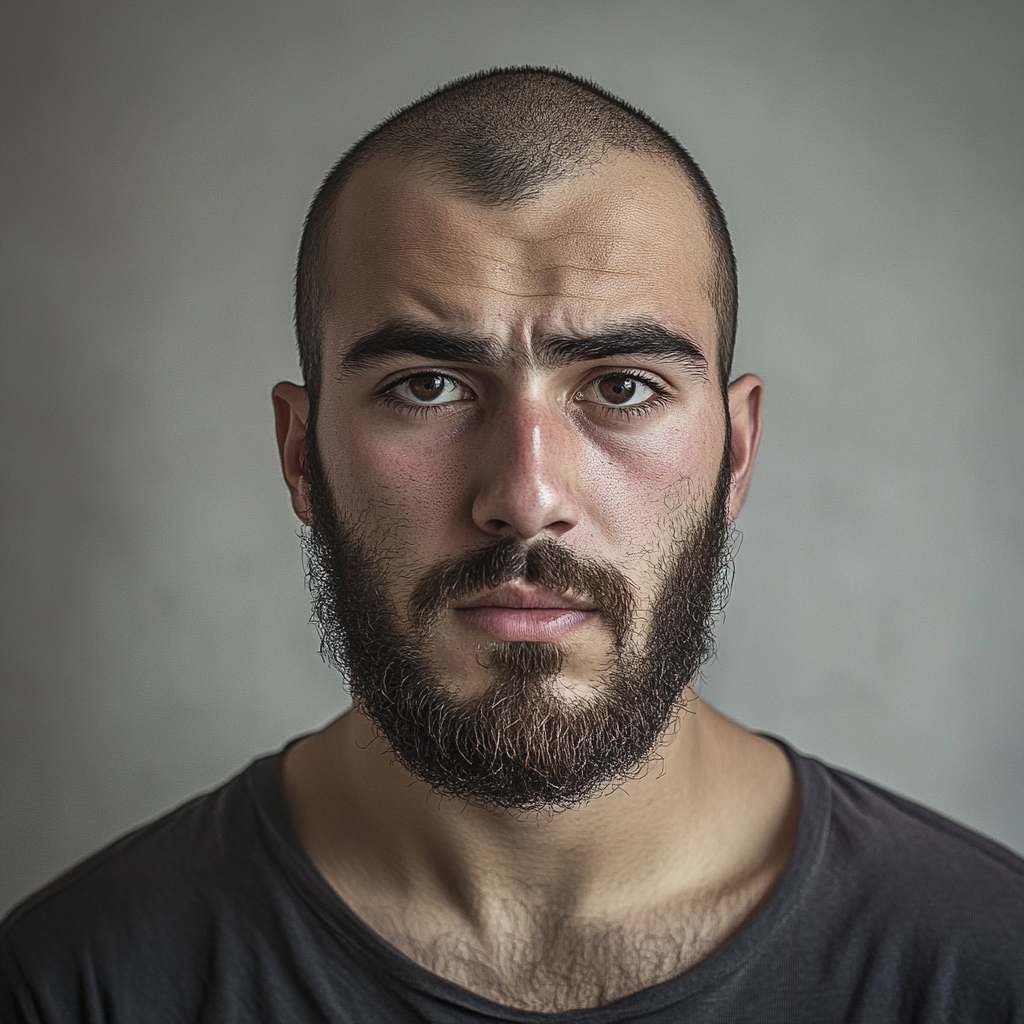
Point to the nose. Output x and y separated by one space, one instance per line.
526 474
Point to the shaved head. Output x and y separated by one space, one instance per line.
501 138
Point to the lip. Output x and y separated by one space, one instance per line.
511 612
512 596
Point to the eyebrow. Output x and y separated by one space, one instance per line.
635 337
398 338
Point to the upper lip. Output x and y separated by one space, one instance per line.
512 596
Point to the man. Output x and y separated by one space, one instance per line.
517 453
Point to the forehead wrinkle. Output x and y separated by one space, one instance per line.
497 289
548 268
518 260
598 252
537 265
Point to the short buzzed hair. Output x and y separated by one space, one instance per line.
500 138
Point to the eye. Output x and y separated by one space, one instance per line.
427 389
619 390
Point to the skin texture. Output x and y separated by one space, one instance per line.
540 911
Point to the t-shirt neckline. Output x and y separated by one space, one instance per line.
266 788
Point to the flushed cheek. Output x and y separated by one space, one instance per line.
631 488
398 491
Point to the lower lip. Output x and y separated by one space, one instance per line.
536 624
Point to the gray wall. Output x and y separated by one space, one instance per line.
158 161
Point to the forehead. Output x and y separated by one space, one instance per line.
624 240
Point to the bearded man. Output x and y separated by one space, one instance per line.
517 455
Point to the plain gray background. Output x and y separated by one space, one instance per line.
158 160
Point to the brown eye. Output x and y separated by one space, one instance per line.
430 389
618 389
427 389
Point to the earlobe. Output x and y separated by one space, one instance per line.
291 411
745 395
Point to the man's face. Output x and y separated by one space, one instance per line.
520 442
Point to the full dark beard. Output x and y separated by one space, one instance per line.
519 745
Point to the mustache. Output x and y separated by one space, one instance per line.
544 563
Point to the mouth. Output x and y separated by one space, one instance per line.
521 612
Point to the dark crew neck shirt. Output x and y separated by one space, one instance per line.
214 914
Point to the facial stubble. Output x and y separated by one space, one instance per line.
519 745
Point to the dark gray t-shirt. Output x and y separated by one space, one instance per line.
214 914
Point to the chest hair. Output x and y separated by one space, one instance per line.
542 962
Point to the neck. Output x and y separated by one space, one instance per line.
713 809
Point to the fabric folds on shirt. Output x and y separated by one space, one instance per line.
214 914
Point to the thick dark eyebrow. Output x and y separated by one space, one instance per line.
639 337
410 339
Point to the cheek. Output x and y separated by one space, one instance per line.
633 485
397 488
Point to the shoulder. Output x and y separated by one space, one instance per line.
172 855
158 891
873 826
925 906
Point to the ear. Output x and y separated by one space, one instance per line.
745 394
291 410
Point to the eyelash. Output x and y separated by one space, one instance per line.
386 397
661 394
